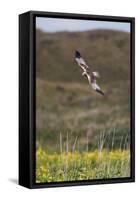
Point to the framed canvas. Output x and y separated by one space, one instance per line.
76 99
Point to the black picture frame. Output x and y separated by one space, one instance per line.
27 93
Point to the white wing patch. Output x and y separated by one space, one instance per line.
80 61
95 86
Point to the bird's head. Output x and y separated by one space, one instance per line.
77 54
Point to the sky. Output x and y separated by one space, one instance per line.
58 24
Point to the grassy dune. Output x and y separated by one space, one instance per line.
76 109
107 51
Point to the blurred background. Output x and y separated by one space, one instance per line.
65 103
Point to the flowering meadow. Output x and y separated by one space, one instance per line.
74 166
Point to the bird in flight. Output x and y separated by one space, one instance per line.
87 71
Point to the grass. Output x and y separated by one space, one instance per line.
73 107
80 134
71 163
107 51
82 166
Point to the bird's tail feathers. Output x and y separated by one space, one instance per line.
100 91
97 88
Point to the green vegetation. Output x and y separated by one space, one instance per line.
107 51
73 121
76 109
81 166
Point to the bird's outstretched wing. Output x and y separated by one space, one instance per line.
81 62
92 81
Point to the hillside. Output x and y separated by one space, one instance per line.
107 51
65 103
